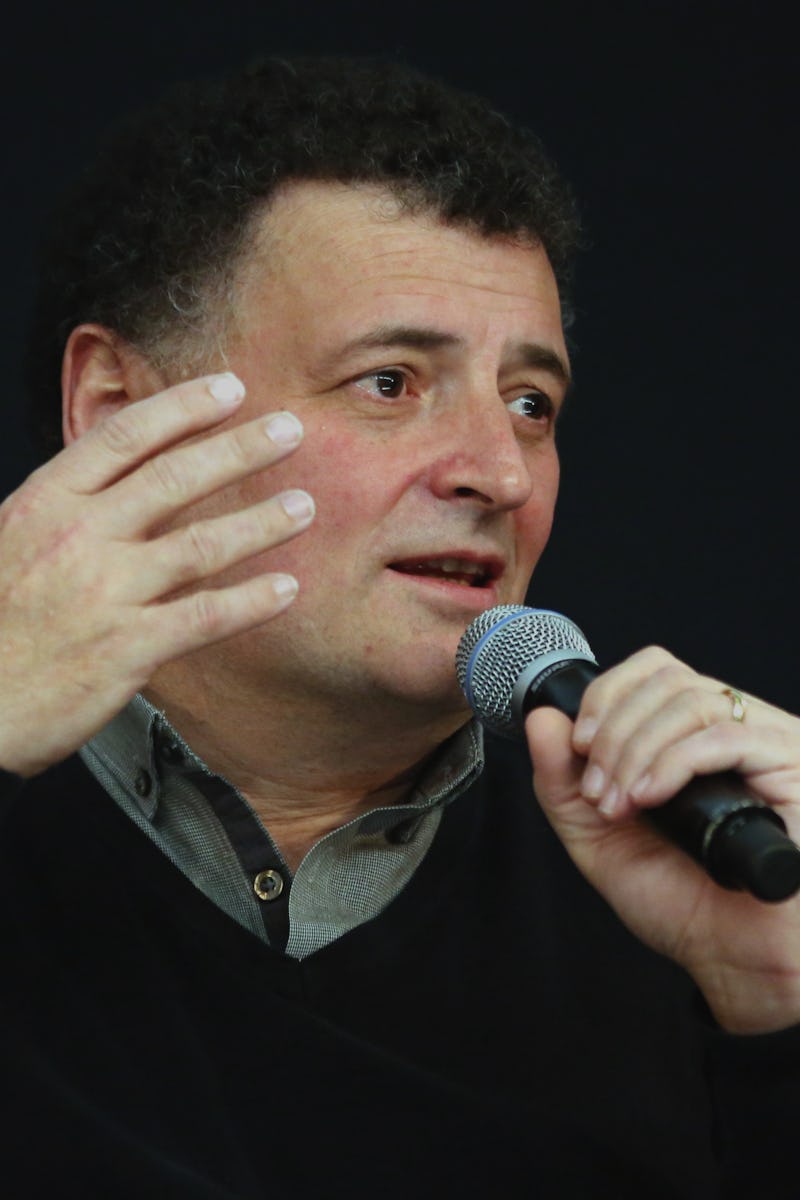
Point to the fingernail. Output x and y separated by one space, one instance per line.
640 787
284 429
610 802
593 782
227 389
298 505
584 731
285 586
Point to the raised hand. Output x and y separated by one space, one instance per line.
93 592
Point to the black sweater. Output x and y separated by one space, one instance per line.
495 1032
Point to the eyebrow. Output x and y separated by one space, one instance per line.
529 354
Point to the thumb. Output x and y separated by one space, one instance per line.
618 858
557 772
557 769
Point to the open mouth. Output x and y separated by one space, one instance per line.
462 571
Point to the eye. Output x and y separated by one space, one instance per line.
389 383
536 405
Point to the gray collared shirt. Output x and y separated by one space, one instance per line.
211 833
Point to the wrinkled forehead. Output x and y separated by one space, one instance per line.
323 245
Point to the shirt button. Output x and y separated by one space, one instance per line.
143 783
268 885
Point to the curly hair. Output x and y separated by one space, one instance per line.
148 239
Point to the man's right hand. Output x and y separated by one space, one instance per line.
93 592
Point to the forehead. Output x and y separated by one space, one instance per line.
331 254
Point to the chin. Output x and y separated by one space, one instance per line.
429 681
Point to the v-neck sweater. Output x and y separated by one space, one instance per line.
494 1031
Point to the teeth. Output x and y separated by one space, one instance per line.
453 566
458 570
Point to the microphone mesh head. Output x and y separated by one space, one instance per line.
498 646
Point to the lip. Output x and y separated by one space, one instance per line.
473 599
491 565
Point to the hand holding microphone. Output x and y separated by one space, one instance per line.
512 659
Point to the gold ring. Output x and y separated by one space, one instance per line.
739 703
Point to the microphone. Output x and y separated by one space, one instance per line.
512 659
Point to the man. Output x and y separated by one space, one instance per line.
277 926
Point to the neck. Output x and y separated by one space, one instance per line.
303 768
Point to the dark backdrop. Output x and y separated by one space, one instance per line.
676 125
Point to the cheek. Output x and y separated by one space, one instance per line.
349 481
355 481
535 520
335 470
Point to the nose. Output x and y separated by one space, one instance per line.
480 457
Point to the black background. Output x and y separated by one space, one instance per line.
676 124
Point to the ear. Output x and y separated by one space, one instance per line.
101 373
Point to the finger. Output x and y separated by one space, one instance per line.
124 440
201 550
606 692
180 626
763 752
656 714
690 711
170 481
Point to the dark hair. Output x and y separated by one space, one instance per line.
149 236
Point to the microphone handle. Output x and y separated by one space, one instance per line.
739 840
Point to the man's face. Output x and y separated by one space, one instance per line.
427 364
